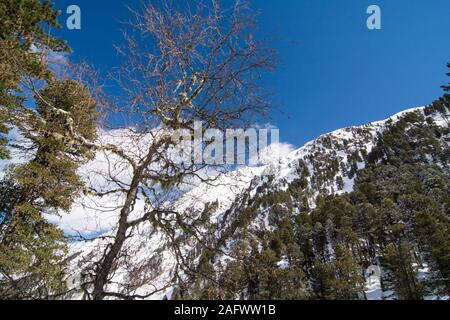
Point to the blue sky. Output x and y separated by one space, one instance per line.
334 72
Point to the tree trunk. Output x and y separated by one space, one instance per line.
104 267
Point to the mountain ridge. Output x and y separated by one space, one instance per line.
330 162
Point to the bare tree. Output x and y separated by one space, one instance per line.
183 63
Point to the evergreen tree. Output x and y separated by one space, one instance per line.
338 279
59 128
347 282
402 270
24 41
447 87
432 232
32 250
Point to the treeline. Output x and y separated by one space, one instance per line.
396 218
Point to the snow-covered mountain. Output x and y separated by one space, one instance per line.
236 210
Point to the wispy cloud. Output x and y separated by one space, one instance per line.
56 61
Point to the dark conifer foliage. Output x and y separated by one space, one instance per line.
396 218
62 117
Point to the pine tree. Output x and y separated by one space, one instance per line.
398 262
347 282
339 279
32 250
23 43
432 232
447 87
60 129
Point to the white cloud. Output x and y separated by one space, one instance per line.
58 58
56 61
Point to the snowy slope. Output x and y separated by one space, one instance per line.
331 153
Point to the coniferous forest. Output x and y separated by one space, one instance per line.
396 218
